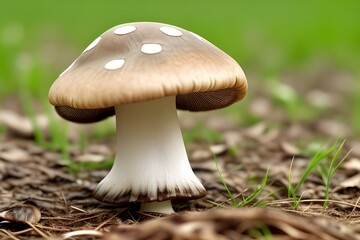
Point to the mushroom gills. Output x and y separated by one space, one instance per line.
151 163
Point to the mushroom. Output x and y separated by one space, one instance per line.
142 72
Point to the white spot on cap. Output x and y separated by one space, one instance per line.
171 31
71 65
114 64
124 30
93 44
151 48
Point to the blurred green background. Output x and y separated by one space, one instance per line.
286 48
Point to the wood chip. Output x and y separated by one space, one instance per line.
353 182
90 157
231 224
218 148
22 126
289 148
352 164
15 155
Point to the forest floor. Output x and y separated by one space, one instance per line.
33 175
255 205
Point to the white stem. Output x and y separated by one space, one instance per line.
164 207
151 162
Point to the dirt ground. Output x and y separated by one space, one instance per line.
33 175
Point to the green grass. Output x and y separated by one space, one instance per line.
355 99
246 200
264 38
39 39
326 169
201 133
291 102
106 164
326 162
261 231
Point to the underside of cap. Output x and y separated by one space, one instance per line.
199 101
84 115
138 62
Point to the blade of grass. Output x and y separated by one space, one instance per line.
314 162
291 190
261 231
248 199
290 184
257 191
321 155
325 171
331 170
233 200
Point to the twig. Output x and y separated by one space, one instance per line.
52 228
79 209
108 220
81 233
22 231
316 200
9 234
356 206
65 201
38 231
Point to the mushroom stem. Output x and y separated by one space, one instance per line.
164 207
151 162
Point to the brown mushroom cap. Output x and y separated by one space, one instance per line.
137 62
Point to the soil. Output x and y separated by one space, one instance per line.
34 175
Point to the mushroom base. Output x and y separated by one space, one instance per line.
151 162
164 207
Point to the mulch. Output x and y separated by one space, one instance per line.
30 174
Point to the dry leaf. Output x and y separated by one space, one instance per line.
22 126
354 181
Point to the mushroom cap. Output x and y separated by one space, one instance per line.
143 61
